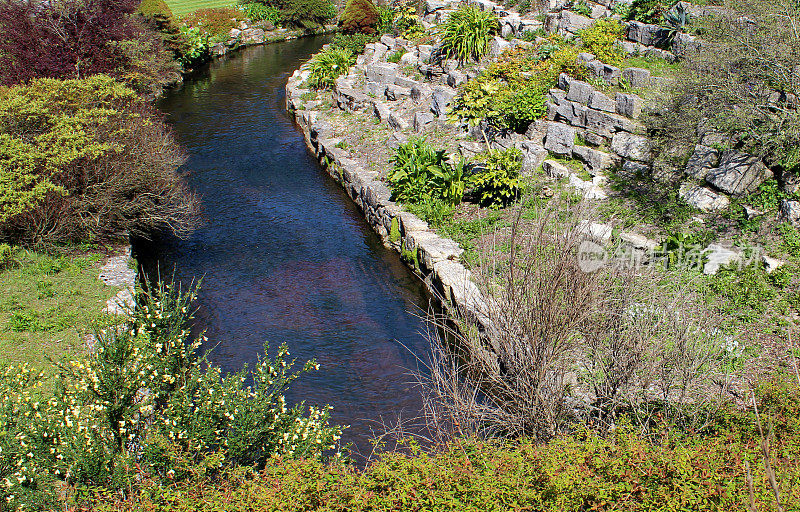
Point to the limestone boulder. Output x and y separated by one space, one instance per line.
738 173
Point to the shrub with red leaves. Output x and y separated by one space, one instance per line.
65 39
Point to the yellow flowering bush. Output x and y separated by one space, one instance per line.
145 403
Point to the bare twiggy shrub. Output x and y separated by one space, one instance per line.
562 344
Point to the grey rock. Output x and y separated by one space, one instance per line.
118 272
593 138
422 120
252 36
434 5
607 72
596 231
606 124
586 56
404 81
397 122
389 41
717 256
555 169
381 111
630 146
556 96
790 212
738 173
350 99
470 149
771 264
384 73
633 169
579 91
395 92
702 198
629 105
573 22
560 138
532 156
425 51
638 241
702 161
441 98
455 78
600 101
497 46
570 112
433 249
537 131
596 161
375 89
421 93
648 35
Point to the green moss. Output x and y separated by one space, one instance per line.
394 231
409 256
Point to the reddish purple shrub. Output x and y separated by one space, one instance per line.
68 39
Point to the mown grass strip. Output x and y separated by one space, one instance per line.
182 7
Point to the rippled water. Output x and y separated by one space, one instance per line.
284 255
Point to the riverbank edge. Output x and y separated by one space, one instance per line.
432 257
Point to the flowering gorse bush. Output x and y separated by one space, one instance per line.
144 403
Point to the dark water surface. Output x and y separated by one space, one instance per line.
284 255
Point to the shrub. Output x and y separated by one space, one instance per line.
582 8
83 160
359 16
520 105
396 56
570 343
155 9
601 40
406 22
356 43
476 101
197 48
73 39
327 66
216 22
385 19
145 403
622 9
740 85
498 184
257 12
421 172
649 11
467 33
306 14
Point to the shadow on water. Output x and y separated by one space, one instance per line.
284 255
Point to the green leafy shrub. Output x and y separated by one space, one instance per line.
359 16
601 40
582 8
144 402
385 19
257 12
83 160
649 11
421 172
519 106
356 43
406 22
499 184
467 33
621 9
327 66
197 48
476 101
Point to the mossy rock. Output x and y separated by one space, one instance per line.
359 16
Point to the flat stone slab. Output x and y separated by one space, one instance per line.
703 198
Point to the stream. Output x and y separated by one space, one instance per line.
283 253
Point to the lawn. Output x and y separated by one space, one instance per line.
46 305
181 7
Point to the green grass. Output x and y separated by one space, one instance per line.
46 302
182 7
656 66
